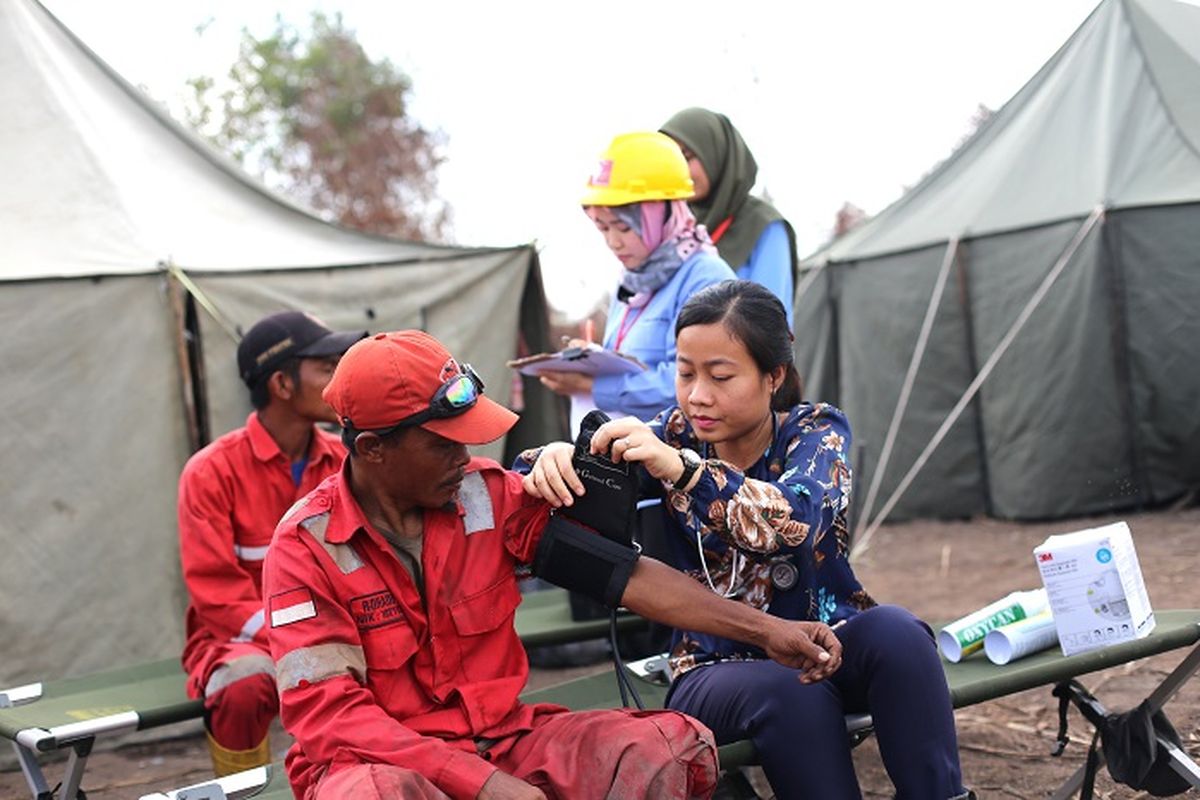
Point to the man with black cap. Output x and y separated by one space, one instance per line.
231 495
390 595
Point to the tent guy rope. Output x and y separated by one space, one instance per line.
914 364
861 545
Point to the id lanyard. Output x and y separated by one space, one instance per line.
720 230
626 324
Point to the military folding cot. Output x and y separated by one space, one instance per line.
71 714
973 680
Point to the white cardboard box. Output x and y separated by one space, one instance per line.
1095 586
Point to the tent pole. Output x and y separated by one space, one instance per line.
910 377
835 338
1001 348
204 300
810 277
1122 361
968 315
177 294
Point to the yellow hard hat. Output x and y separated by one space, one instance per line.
637 167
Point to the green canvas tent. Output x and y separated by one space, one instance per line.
1017 336
130 256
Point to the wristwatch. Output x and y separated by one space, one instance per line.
691 463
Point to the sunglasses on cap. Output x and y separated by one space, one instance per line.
456 396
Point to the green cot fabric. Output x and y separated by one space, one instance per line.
545 618
277 788
973 680
155 690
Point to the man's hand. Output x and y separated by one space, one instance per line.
661 593
553 477
811 647
502 786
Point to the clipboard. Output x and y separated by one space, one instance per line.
592 360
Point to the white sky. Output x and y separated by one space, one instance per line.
840 101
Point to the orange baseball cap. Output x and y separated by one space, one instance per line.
389 378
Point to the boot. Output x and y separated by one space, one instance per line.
227 762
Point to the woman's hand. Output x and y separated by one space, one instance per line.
553 477
811 647
567 383
632 440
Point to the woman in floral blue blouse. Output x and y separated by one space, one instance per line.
758 484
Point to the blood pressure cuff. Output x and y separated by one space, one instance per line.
609 502
581 560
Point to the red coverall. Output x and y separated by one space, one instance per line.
232 494
391 696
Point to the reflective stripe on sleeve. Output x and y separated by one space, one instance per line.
342 554
318 663
250 553
476 503
237 669
251 627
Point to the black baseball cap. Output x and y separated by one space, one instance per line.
289 334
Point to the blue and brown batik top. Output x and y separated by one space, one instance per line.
774 536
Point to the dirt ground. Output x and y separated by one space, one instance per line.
939 570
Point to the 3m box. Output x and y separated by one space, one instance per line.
1095 587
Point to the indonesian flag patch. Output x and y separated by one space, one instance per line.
291 606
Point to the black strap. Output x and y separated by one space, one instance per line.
1068 692
1063 692
1089 772
624 682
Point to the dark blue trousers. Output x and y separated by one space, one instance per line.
890 669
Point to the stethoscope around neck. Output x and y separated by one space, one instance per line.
739 560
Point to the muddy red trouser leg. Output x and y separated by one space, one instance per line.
375 782
237 682
615 755
240 714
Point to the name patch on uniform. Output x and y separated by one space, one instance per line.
292 606
375 610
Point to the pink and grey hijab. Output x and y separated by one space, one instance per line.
670 232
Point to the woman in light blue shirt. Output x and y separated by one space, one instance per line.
638 201
749 233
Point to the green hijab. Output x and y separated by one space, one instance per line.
731 173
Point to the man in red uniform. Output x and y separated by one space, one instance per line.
231 496
390 594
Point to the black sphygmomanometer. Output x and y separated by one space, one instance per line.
588 546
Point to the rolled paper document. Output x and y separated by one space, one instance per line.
1010 642
964 636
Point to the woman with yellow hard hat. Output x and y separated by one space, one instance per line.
637 199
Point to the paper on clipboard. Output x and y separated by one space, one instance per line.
591 360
